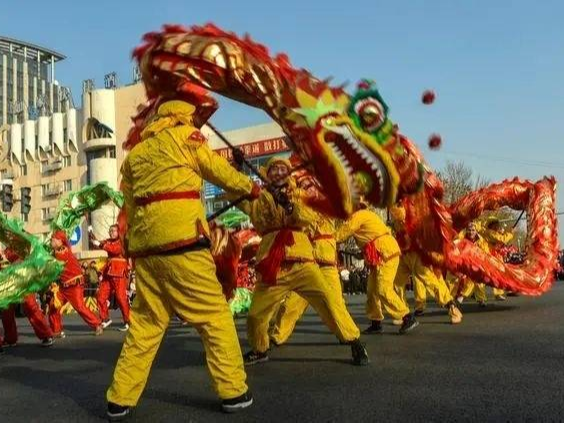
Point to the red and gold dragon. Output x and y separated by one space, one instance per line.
353 149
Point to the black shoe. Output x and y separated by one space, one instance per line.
117 413
419 312
482 304
47 342
359 353
253 357
409 323
374 328
2 350
237 404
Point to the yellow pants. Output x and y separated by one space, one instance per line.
497 292
294 306
424 279
382 294
306 280
471 288
185 285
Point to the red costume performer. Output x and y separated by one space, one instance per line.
31 310
71 284
114 278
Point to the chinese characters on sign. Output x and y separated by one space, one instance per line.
259 148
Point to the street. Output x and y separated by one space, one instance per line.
503 363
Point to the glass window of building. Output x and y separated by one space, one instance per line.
68 185
45 213
24 170
67 161
24 217
44 189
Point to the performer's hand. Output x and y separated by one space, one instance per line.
255 191
281 198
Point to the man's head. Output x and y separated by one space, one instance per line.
59 239
114 232
93 264
278 170
471 232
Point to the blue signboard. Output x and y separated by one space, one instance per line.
75 237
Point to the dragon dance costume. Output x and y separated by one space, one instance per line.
424 277
285 263
114 279
322 236
168 237
382 254
70 289
32 311
463 286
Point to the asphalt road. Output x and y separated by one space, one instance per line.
503 363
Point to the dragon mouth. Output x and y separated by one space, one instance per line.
366 174
367 169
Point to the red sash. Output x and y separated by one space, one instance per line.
269 266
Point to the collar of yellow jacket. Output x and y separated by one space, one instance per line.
169 115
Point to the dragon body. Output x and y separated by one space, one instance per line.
353 149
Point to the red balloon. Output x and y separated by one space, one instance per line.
428 97
435 141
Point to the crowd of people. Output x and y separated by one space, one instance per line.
296 264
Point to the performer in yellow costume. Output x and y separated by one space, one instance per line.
497 238
168 237
424 277
285 263
464 286
382 254
322 236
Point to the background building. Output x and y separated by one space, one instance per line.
27 81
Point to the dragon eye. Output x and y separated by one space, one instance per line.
371 113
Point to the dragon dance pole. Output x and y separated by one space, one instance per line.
518 219
233 148
239 200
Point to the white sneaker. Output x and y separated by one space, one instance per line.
106 323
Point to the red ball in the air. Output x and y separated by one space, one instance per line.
435 141
428 97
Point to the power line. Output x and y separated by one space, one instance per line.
536 163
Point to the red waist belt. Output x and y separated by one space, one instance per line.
164 196
116 267
372 256
269 266
77 280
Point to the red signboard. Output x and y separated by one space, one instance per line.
257 149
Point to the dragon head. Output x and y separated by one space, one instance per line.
347 147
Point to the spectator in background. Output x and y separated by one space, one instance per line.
345 278
354 281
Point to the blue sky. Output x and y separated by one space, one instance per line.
497 67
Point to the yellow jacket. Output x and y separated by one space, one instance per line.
171 162
366 227
322 234
268 218
493 237
480 242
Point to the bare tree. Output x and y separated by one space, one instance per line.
458 180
